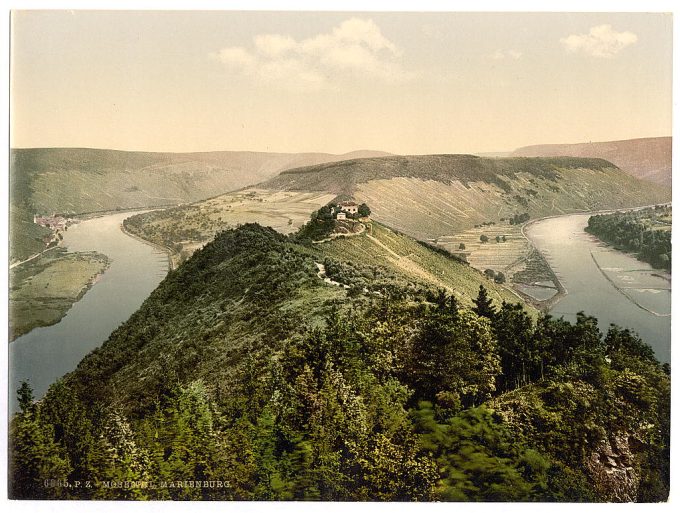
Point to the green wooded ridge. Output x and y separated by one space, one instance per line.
244 367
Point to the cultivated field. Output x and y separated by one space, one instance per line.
188 227
503 255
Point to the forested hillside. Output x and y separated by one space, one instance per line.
246 376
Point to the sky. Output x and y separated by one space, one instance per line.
407 83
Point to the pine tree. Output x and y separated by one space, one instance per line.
483 306
33 454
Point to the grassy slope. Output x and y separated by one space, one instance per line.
233 298
239 295
77 180
648 158
414 262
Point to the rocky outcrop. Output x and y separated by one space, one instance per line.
614 468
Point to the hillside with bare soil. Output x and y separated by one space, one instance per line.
649 159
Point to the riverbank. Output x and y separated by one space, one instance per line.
173 256
607 284
622 291
45 354
46 288
546 305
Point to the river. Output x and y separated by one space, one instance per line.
45 354
610 285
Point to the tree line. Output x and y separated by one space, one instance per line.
636 231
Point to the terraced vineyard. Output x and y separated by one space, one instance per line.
505 255
429 209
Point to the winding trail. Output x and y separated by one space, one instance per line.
334 236
322 274
33 257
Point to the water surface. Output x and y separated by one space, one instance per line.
613 286
45 354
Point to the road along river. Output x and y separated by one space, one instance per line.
45 354
613 286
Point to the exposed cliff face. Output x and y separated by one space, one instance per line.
614 468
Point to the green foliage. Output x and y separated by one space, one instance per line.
519 218
646 232
483 304
478 459
321 224
33 454
364 210
453 357
244 367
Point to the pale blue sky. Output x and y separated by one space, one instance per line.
399 82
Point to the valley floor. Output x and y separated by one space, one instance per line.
45 288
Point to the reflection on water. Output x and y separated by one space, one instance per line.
45 354
610 285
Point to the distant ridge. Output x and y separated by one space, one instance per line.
343 177
647 158
83 180
431 196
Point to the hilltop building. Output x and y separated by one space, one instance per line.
349 206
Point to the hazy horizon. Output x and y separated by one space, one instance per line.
298 82
333 153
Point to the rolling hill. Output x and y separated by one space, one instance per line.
249 375
450 200
431 196
649 158
81 180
